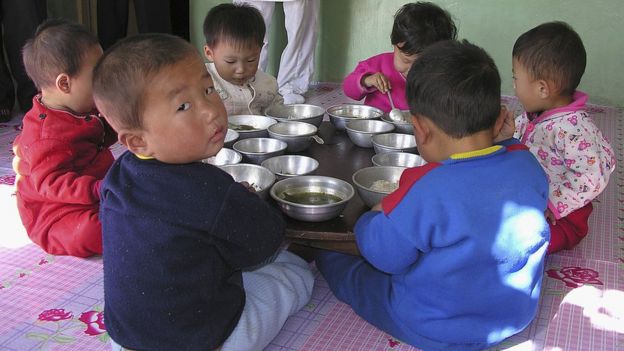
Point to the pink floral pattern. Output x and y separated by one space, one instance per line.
94 321
55 315
575 277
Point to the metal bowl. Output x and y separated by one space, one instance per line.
392 142
297 112
360 132
287 166
398 159
225 156
250 126
366 179
256 150
230 138
260 178
340 115
401 125
298 135
312 184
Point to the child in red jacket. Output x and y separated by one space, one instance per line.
62 154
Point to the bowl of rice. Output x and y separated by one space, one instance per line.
374 183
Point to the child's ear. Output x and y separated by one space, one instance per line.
208 53
134 141
63 83
544 89
422 131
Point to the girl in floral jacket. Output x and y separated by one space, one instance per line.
548 63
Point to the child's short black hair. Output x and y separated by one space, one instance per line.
553 51
457 86
123 74
419 25
58 46
235 23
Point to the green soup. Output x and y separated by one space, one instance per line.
311 198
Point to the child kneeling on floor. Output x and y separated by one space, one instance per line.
62 154
454 258
178 232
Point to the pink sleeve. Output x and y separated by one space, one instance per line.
351 84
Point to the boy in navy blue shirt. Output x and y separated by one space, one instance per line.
453 259
177 233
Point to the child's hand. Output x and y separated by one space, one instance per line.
248 186
509 125
377 80
377 207
550 217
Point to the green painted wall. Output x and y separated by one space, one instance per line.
352 30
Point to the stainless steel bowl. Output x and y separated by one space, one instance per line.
250 126
340 115
256 150
367 179
260 178
230 138
290 187
360 132
297 112
225 156
398 159
391 142
402 124
298 135
286 166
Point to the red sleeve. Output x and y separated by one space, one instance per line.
408 178
352 85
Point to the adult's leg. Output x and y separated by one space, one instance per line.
20 20
112 21
180 19
273 293
266 8
569 230
7 89
153 16
297 61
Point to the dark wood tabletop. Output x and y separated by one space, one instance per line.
338 157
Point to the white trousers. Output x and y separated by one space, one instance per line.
297 62
273 293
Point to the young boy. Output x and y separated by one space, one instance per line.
416 26
454 258
234 38
178 232
548 63
62 154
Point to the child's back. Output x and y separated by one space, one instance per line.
454 258
62 152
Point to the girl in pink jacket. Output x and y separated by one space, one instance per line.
416 26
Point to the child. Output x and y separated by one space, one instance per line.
174 241
453 259
62 154
416 26
548 63
234 37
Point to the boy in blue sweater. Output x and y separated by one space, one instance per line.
177 233
453 259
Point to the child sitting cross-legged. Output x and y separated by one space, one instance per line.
548 63
454 258
62 154
178 232
234 37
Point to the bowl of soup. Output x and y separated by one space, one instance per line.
250 126
312 198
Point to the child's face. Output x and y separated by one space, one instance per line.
184 119
235 63
402 61
526 88
81 93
